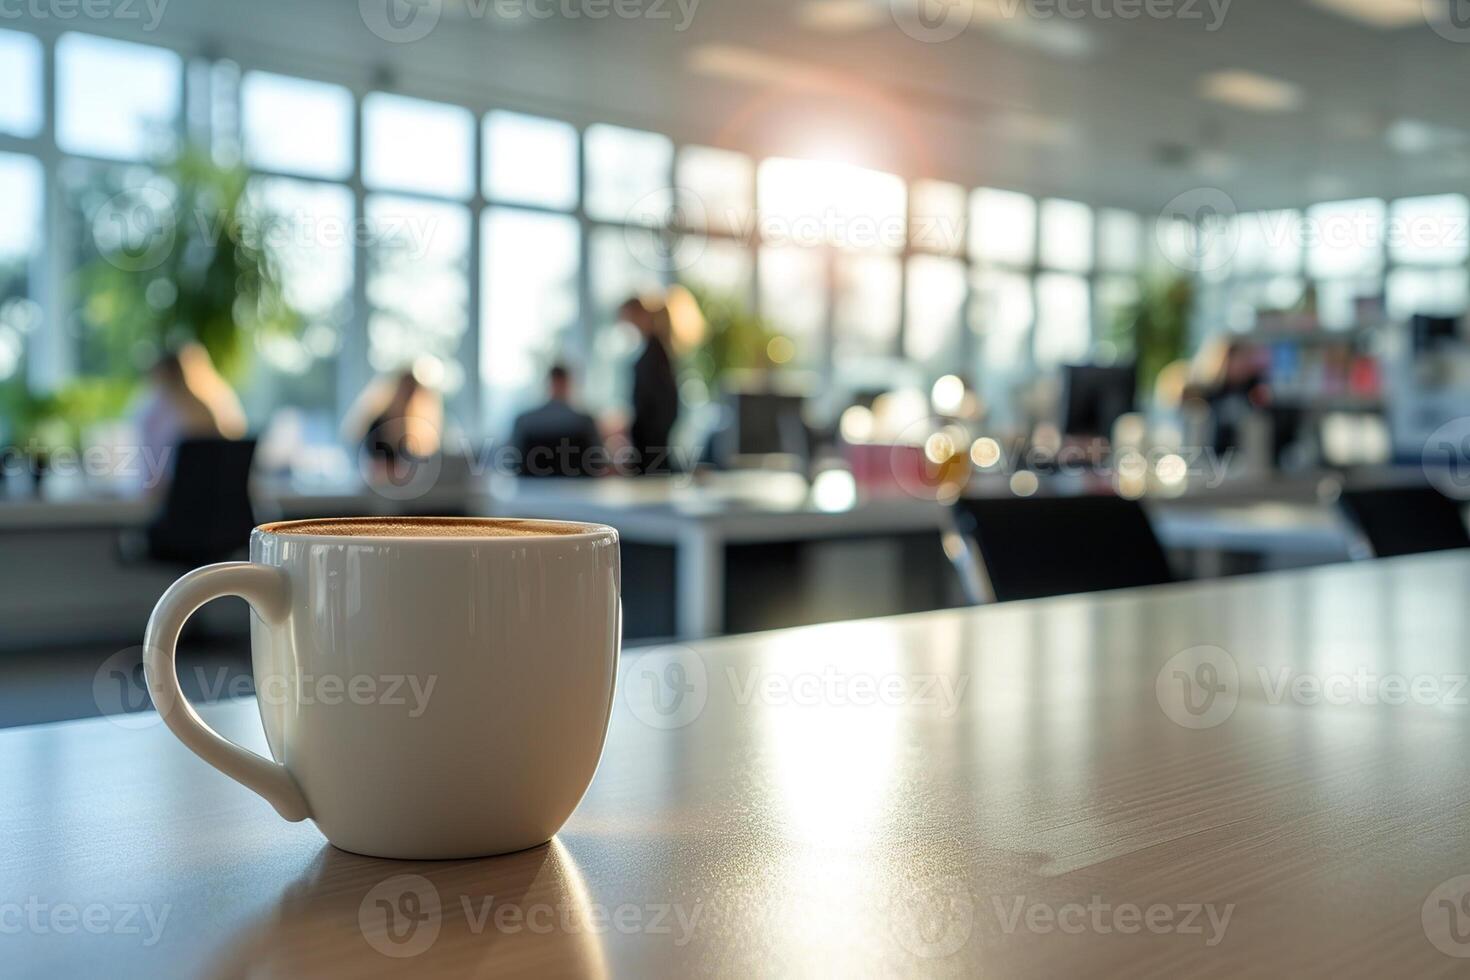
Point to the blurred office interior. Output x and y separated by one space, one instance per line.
911 262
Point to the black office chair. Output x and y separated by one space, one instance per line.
557 455
1031 547
206 514
1405 520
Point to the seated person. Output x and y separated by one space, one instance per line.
188 400
555 439
396 424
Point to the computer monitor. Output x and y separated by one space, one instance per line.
1094 396
1433 332
766 422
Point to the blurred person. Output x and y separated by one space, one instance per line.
397 419
687 326
189 400
1231 382
556 439
655 389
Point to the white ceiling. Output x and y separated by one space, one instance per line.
1105 110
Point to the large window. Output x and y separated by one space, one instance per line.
937 217
718 265
117 218
486 246
628 174
1427 242
116 99
866 307
301 127
20 80
418 285
1002 310
1345 238
1066 236
309 228
1119 241
530 263
934 324
414 145
1254 264
1063 319
1362 260
1002 227
21 194
418 269
1430 231
794 297
625 261
812 202
1115 291
714 190
1002 238
295 126
529 266
834 234
530 160
1345 255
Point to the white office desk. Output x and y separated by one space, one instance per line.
699 519
62 576
1031 762
67 505
62 573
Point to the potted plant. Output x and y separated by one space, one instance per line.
184 257
1154 329
181 255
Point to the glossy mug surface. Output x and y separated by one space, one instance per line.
430 688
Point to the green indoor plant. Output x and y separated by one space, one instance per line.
735 338
1154 329
186 257
164 257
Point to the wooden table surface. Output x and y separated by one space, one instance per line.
1261 776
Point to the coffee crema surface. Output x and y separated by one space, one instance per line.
426 527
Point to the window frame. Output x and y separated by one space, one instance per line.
204 81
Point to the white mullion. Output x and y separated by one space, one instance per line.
52 354
472 396
354 369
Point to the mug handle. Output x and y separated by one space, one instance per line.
268 592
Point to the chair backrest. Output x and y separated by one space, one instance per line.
1030 547
1405 520
561 454
206 513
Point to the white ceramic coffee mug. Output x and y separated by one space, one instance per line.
430 688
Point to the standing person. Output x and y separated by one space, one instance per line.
555 439
655 390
